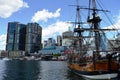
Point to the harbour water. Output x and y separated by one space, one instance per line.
36 70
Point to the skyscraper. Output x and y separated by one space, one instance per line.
15 36
33 37
23 37
11 35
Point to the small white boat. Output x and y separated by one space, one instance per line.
38 59
6 59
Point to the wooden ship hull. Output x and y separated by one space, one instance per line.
99 70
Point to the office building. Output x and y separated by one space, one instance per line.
33 37
44 43
21 37
15 36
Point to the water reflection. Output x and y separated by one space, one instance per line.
2 70
21 70
36 70
53 70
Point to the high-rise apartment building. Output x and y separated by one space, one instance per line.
23 37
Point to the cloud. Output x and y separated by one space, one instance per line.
115 25
58 27
8 7
44 15
2 41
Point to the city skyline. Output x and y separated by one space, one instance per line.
50 14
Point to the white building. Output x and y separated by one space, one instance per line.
67 38
59 40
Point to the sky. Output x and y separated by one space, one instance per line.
51 15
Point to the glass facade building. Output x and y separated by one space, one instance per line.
33 37
23 37
15 36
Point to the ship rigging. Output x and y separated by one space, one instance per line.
86 57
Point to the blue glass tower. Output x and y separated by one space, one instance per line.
21 37
33 37
15 36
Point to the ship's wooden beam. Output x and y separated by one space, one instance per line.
87 29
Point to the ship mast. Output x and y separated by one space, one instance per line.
78 29
95 22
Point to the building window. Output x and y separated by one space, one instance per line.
10 47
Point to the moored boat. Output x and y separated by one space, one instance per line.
6 59
90 55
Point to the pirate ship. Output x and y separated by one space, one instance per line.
91 56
